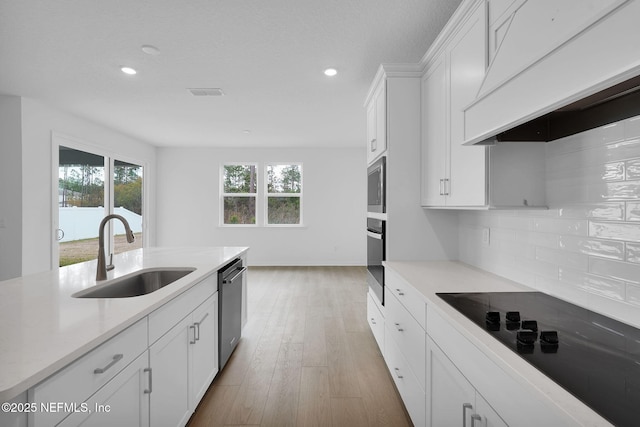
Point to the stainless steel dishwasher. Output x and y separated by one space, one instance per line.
229 309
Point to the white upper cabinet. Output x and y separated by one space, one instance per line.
546 54
377 122
454 175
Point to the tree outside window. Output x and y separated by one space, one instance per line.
239 191
284 194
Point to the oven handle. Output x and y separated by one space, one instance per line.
374 235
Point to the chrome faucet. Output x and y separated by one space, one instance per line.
101 274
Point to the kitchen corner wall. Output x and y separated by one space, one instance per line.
334 198
586 247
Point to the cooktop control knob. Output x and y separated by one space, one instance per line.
531 325
526 337
492 317
513 316
549 337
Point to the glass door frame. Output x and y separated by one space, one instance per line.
59 139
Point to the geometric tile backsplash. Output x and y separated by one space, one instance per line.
586 247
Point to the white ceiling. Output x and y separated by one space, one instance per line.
266 55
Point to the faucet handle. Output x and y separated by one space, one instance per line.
110 266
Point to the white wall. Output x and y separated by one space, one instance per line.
586 247
10 188
38 123
334 205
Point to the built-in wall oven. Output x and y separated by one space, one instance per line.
375 256
376 192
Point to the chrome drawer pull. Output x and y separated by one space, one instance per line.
194 334
465 406
474 418
150 389
398 327
373 321
398 373
400 292
115 360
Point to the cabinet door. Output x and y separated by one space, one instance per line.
434 134
467 64
450 397
204 350
381 118
371 130
123 401
169 361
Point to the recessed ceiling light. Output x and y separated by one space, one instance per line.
150 50
128 70
330 72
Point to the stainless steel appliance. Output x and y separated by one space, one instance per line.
593 357
375 256
376 192
229 309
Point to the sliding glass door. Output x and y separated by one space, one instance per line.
91 186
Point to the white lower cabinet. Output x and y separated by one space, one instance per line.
406 382
123 401
451 400
169 361
203 361
376 321
183 363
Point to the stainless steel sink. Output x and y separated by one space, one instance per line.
139 283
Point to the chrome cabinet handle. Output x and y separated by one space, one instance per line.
465 406
374 144
474 418
373 321
150 389
398 327
398 373
194 334
400 291
446 182
115 360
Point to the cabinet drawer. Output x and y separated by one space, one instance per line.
412 394
408 335
79 380
165 317
410 298
376 321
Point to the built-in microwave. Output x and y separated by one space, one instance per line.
376 186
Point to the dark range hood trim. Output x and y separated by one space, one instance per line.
616 103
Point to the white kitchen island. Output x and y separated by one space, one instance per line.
45 331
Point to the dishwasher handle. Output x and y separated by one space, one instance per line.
238 274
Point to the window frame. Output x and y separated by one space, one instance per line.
223 194
267 195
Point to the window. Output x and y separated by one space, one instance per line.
239 192
277 202
284 194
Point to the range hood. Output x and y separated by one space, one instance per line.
616 103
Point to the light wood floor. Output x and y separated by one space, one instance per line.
307 356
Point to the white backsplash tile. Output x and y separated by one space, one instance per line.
586 247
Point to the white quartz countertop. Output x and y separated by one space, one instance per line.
43 328
432 277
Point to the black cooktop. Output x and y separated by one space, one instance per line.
595 358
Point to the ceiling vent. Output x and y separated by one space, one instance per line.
206 91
